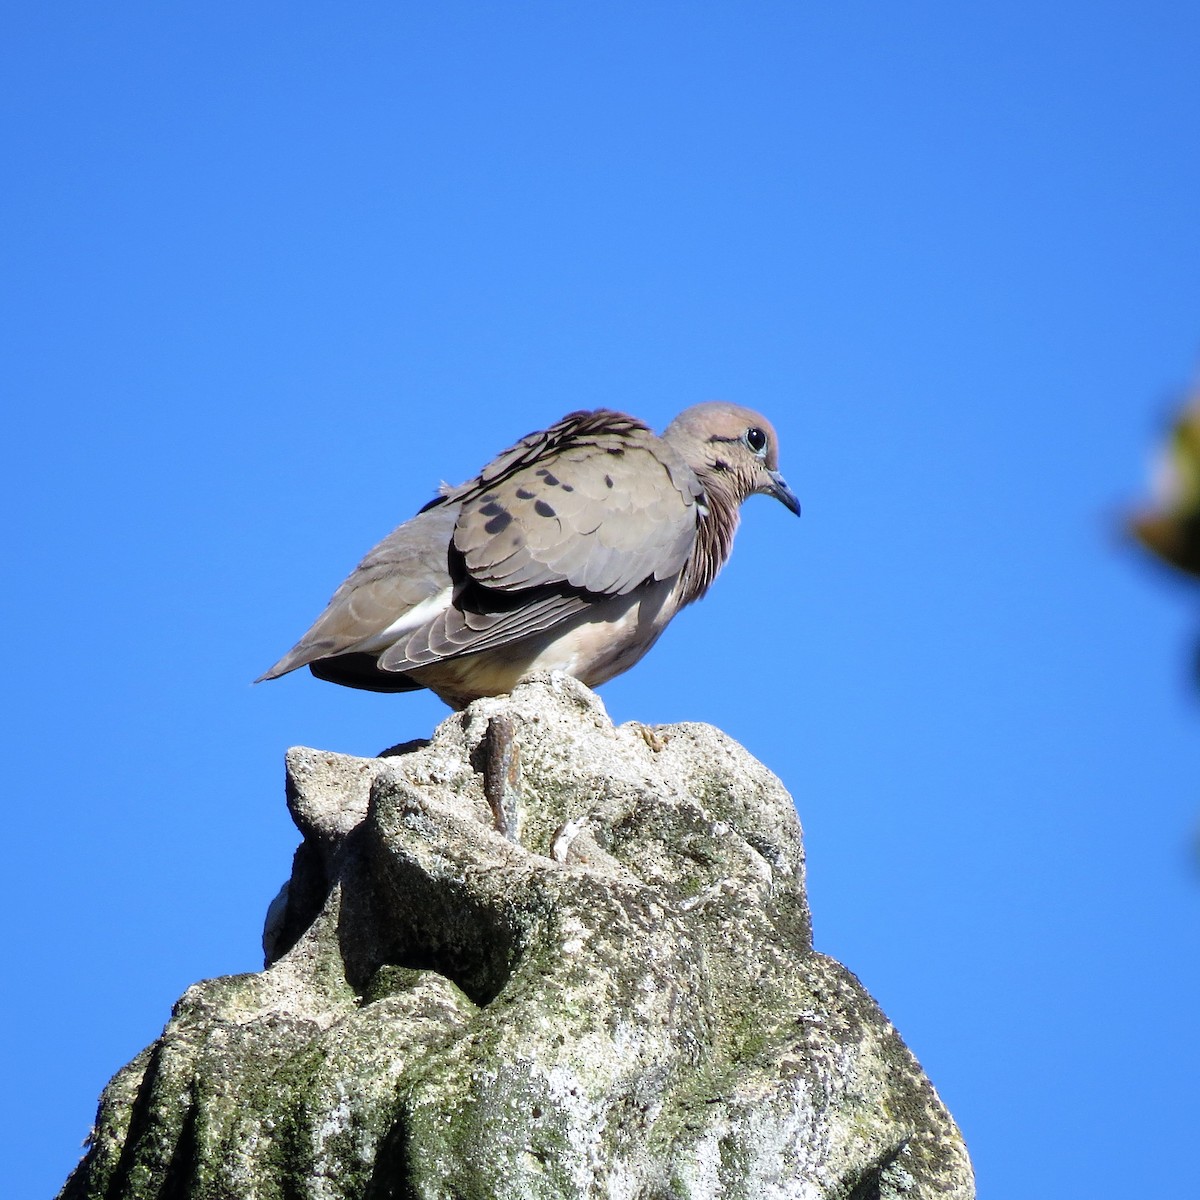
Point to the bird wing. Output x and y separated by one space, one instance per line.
602 506
591 508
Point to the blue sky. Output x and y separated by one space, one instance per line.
276 270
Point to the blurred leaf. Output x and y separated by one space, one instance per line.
1171 529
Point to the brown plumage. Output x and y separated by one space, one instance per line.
570 551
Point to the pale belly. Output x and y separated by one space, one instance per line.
593 647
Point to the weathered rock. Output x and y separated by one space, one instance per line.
538 956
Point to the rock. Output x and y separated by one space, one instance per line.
537 956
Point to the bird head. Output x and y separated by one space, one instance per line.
733 449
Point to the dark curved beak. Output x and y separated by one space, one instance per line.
784 494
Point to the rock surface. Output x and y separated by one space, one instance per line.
537 956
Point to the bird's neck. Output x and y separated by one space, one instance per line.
714 538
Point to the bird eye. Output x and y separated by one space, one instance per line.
756 439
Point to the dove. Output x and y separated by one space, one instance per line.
570 551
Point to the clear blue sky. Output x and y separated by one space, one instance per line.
273 271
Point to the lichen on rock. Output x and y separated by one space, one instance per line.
536 956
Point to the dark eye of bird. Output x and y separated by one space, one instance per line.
756 439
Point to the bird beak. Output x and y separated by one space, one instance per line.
784 494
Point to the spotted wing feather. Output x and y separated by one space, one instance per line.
603 507
592 507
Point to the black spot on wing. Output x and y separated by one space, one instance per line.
543 509
500 522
